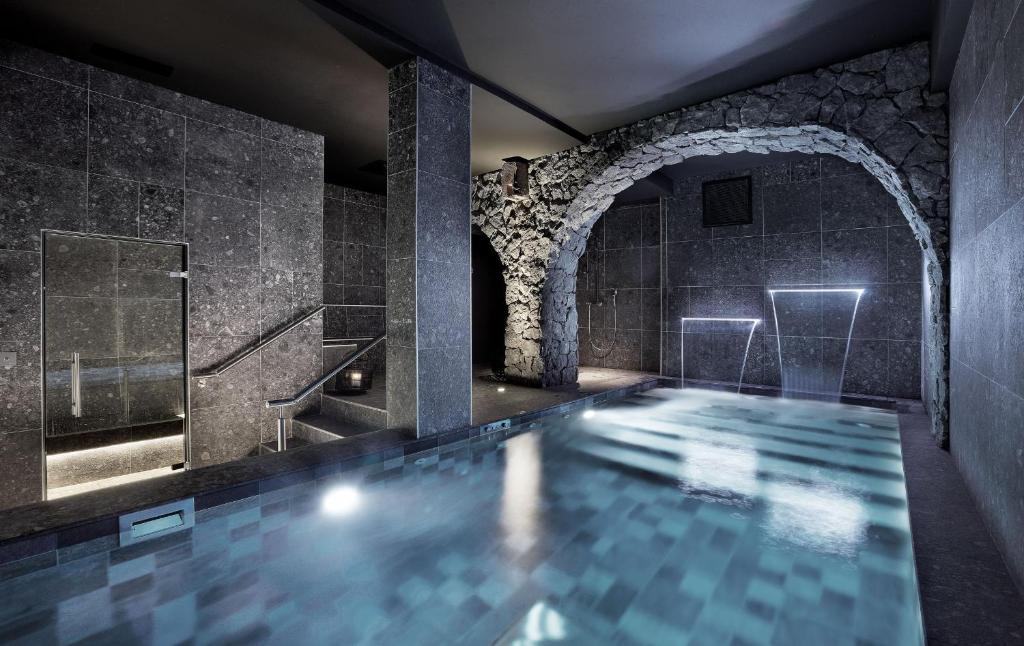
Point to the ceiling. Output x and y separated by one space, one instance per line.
592 64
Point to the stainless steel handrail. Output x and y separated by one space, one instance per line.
279 404
242 356
76 385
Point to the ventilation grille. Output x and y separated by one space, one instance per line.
727 202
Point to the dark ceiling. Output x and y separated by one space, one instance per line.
593 64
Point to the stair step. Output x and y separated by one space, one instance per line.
316 429
293 443
351 410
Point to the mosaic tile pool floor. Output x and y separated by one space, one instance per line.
672 517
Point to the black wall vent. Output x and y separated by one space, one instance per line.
127 59
727 202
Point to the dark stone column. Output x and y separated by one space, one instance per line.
429 363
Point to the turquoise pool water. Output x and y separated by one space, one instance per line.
672 517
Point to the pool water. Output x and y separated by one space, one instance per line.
671 517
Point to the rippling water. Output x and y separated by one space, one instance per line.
673 517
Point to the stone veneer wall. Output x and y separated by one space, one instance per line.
875 110
818 222
86 150
355 247
987 257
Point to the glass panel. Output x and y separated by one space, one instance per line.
114 352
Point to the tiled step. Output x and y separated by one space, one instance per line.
293 443
349 409
316 429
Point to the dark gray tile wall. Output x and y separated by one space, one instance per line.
355 240
987 263
429 356
86 150
817 222
622 262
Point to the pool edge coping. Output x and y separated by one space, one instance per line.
27 545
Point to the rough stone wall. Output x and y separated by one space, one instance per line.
875 110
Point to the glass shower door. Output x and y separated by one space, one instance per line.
114 352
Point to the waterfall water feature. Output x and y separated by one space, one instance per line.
746 351
801 372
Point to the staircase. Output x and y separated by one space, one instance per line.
340 416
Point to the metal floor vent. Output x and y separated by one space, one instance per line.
157 521
727 202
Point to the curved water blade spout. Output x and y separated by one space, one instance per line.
803 365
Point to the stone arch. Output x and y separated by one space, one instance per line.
876 111
558 296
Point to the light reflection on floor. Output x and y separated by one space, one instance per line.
103 483
669 518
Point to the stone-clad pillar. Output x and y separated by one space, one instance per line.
429 362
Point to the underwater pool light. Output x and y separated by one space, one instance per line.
341 501
501 389
589 413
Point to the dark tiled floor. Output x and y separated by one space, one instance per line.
493 400
967 596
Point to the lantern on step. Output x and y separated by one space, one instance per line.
353 381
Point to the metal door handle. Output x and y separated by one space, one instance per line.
76 385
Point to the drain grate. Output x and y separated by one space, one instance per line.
157 521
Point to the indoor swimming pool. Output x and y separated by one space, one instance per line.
670 517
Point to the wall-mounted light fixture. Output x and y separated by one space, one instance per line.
515 178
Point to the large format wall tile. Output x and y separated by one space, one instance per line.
226 433
446 287
292 239
42 121
20 276
222 161
149 327
113 207
22 403
21 479
443 146
79 266
132 142
292 177
221 230
239 385
224 300
853 256
34 197
856 201
292 362
161 213
84 325
792 208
